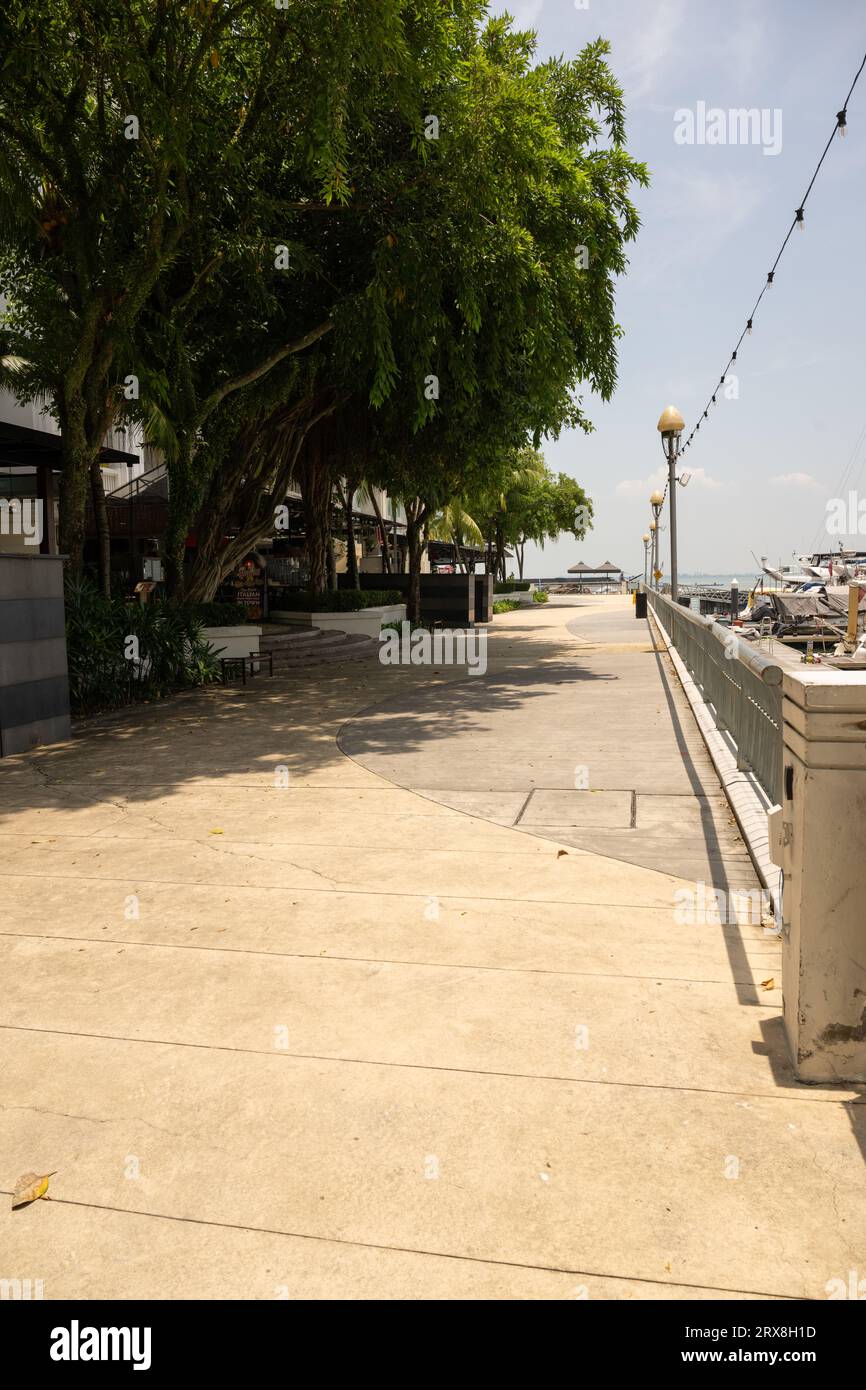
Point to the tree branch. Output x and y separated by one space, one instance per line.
261 369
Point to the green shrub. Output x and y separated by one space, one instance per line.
107 670
505 605
540 596
512 586
218 614
414 627
343 601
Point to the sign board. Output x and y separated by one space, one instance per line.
251 600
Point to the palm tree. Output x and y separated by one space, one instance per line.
453 523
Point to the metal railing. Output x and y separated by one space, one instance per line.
742 687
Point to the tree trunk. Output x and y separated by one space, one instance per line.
209 566
458 551
520 549
315 485
331 562
183 503
244 490
416 515
380 522
351 557
103 534
413 537
500 551
76 457
317 549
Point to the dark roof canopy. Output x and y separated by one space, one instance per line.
21 447
606 568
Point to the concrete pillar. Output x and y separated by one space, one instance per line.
820 838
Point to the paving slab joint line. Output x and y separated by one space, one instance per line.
749 809
412 1249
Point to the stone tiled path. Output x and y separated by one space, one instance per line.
362 1035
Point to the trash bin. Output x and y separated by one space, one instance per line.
640 603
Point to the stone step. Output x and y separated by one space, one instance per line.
332 646
303 641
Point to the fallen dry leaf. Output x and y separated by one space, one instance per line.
217 832
768 984
30 1187
561 852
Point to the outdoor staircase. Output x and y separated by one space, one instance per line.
309 646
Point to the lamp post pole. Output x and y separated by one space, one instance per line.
670 427
656 502
646 540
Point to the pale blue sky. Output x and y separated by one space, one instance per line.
764 465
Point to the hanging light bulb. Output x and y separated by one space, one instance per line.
842 122
749 327
801 223
770 276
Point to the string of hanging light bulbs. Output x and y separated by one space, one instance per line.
840 127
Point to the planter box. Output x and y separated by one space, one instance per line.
522 597
445 598
367 621
234 641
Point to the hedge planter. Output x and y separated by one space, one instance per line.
233 641
366 621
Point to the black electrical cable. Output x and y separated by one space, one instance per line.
841 123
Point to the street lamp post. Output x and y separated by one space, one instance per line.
670 427
657 501
646 540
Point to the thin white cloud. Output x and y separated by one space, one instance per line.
794 480
525 12
706 211
745 49
699 477
640 62
642 487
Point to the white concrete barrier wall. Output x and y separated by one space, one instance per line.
822 852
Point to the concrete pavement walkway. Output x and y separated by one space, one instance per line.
336 986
